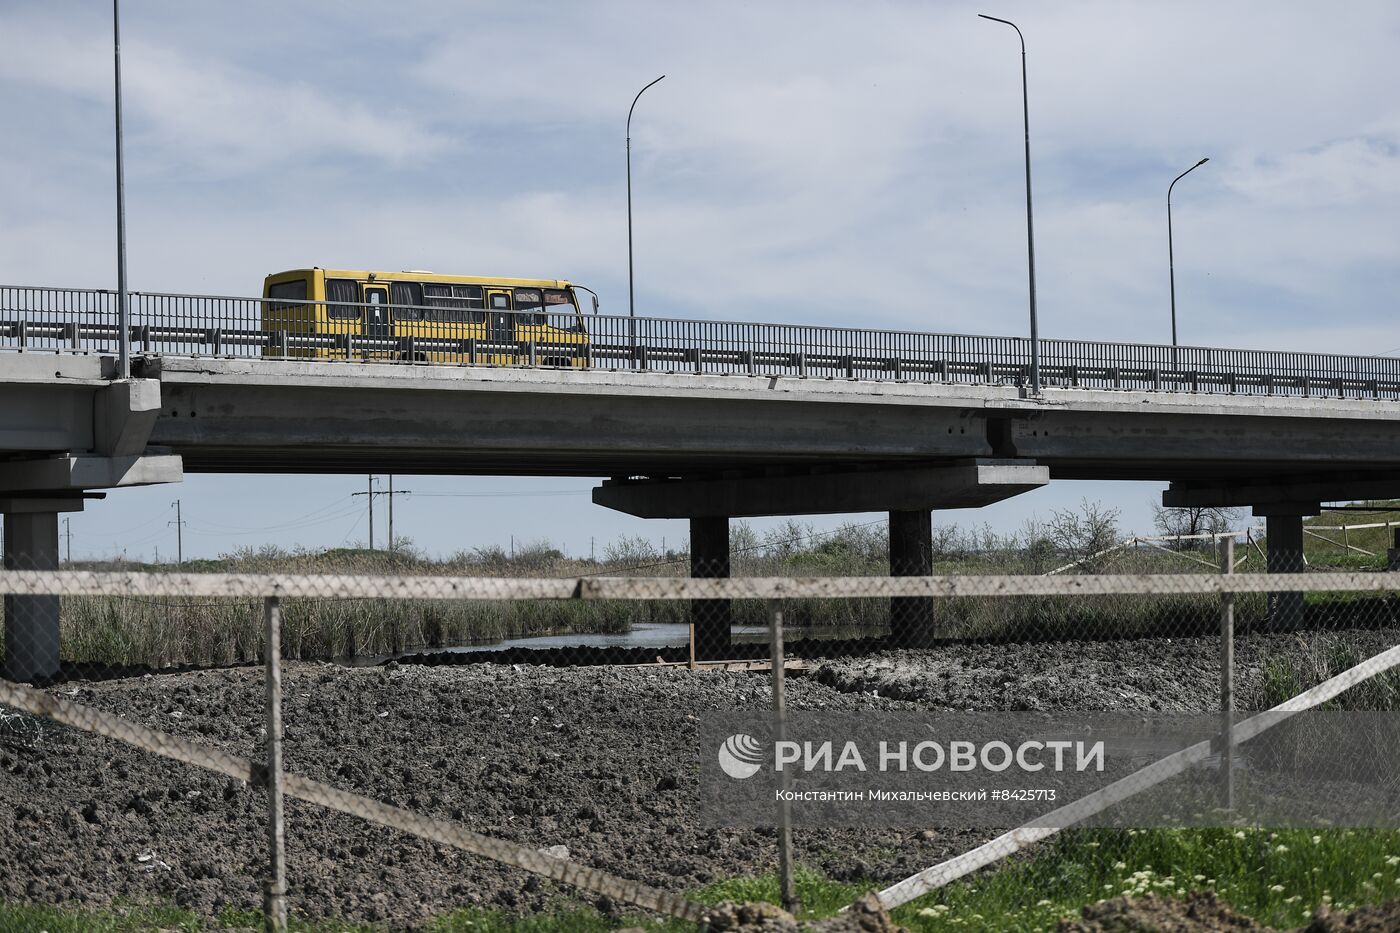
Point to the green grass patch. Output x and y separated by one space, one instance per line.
1277 877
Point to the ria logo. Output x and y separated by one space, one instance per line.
740 756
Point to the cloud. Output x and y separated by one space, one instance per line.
206 115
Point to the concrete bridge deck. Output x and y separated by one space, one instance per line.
705 447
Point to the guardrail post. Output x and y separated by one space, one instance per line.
1227 681
275 893
73 332
216 340
801 365
471 350
20 333
787 884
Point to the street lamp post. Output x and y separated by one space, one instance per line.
631 304
1171 259
1030 222
123 309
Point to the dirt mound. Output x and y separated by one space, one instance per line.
1198 913
1203 912
1382 918
865 916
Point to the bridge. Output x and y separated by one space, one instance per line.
700 420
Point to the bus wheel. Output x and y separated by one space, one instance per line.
554 361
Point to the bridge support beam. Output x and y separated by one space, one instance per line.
709 559
911 555
1283 529
963 484
31 622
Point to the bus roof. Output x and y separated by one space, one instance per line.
366 275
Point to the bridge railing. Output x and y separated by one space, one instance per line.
85 321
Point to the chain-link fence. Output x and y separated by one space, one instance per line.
393 748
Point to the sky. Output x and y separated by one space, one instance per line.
810 162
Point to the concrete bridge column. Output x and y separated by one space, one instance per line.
1284 531
911 555
709 559
31 622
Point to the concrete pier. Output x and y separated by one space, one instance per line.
31 622
911 555
1285 555
709 559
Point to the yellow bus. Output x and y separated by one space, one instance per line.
423 316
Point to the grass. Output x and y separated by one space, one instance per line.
159 632
1278 878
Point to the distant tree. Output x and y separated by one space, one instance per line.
1085 533
631 551
1194 521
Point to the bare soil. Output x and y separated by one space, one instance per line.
600 760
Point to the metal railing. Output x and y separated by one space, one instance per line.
85 320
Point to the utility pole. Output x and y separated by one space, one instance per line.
391 494
68 538
370 492
179 524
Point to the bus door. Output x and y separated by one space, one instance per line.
500 326
376 320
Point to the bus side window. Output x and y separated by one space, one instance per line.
462 304
407 297
288 293
527 306
342 290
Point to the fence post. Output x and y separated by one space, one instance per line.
275 899
1227 680
787 885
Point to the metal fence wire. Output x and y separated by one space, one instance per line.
85 320
208 739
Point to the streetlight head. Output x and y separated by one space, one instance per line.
1203 161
